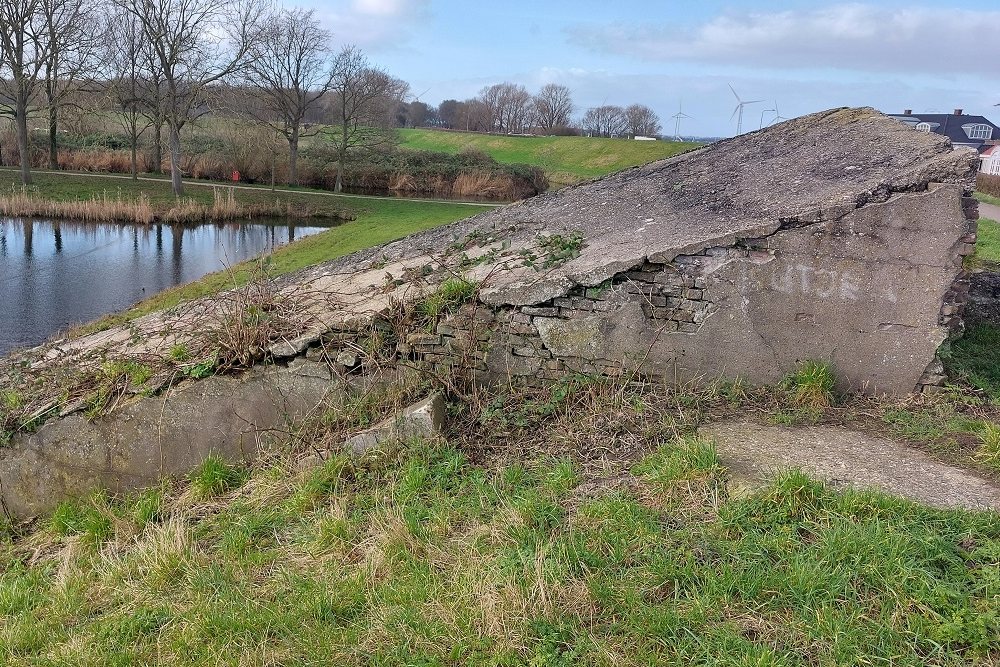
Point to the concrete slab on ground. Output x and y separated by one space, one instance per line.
847 458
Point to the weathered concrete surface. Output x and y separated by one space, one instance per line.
864 291
848 459
835 236
423 419
853 251
236 417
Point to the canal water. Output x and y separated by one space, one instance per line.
56 274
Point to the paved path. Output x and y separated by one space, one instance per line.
848 458
215 184
991 211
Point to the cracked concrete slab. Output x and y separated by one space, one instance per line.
847 458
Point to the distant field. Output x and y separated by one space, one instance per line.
565 159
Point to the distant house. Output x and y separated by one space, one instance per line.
990 161
965 131
639 137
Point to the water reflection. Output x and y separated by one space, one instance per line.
54 274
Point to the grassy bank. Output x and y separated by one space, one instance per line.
477 550
564 159
81 196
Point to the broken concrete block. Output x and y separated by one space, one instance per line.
420 420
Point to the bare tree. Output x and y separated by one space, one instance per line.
553 106
508 106
72 33
127 82
153 106
359 96
23 54
291 68
196 44
642 121
605 121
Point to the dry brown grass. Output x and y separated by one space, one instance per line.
22 203
106 160
479 184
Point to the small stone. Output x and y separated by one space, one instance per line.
348 359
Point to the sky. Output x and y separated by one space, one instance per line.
796 56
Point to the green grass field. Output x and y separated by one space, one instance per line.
564 159
422 554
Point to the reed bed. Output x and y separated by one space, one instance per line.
23 203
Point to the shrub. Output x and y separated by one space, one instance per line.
988 185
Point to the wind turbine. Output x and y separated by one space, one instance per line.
775 111
777 114
680 115
738 111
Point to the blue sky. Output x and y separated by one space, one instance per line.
805 56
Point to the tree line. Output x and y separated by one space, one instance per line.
508 108
156 66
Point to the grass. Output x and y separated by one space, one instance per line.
565 160
811 385
73 187
987 199
418 555
447 298
975 358
987 253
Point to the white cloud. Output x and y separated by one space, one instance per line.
376 25
388 8
854 36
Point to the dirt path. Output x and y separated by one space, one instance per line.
216 184
848 458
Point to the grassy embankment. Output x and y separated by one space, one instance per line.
97 198
376 221
504 545
565 160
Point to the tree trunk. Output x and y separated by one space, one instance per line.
341 159
175 160
23 143
274 157
53 137
158 147
293 157
135 160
